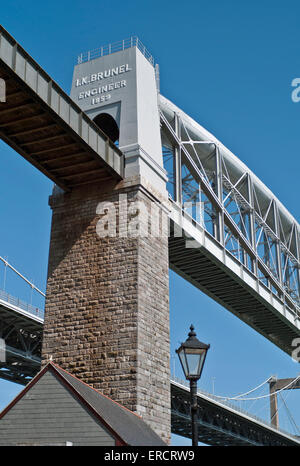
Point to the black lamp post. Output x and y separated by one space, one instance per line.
192 354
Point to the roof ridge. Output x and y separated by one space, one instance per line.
92 388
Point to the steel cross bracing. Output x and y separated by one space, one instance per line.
21 331
246 249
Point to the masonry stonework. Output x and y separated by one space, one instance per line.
107 307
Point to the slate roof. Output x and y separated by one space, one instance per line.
128 426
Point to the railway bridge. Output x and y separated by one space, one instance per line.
140 187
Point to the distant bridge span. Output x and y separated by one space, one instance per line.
219 422
21 334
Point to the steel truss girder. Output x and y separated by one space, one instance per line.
22 337
220 425
280 278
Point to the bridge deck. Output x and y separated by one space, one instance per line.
221 282
47 128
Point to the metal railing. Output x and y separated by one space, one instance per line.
231 406
115 47
4 296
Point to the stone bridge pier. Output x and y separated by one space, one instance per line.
107 306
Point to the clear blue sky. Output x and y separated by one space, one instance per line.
229 64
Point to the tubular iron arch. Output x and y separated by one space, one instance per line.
236 210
